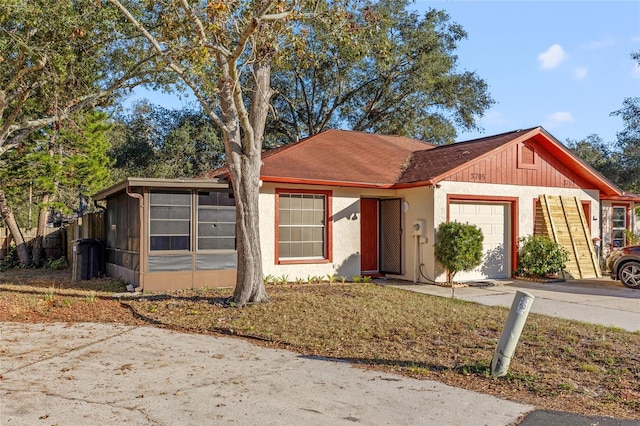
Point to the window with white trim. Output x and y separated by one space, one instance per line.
302 232
619 225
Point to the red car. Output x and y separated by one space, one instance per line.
624 265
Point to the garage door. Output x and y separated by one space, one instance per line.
493 220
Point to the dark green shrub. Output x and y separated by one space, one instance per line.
57 264
458 247
540 255
11 260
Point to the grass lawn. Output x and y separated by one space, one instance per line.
558 365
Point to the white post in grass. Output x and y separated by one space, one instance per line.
511 333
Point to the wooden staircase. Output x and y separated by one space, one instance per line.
562 219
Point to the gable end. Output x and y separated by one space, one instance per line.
525 164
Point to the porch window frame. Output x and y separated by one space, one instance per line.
153 191
199 222
328 229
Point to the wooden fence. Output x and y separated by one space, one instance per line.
58 242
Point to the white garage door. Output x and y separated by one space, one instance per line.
493 220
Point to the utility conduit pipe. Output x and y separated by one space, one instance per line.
511 333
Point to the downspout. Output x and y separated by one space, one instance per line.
143 252
600 223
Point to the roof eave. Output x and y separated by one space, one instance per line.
322 182
159 183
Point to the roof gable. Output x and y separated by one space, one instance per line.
435 164
495 159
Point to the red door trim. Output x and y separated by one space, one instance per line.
369 235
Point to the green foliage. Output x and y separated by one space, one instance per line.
269 279
11 260
539 255
151 141
49 294
394 71
458 247
631 238
599 155
57 264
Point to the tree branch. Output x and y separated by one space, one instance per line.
196 21
171 64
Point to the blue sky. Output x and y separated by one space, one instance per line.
563 65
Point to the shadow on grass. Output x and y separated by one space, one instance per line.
479 368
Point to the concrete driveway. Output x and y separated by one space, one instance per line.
105 374
598 301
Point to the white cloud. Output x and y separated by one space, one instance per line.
558 118
552 57
580 72
562 117
598 44
493 117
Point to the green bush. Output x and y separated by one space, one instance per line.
540 255
458 247
11 260
57 264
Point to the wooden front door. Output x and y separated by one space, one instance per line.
369 232
586 208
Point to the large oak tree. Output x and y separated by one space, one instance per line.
391 71
223 52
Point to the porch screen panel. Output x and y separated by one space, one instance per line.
170 220
216 220
391 236
123 231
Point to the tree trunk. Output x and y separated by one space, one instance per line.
250 283
10 220
43 216
243 150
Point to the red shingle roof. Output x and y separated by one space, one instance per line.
347 158
426 165
341 156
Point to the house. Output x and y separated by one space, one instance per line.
352 203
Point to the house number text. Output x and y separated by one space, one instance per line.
478 176
568 182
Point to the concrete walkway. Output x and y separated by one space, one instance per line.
104 374
597 301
